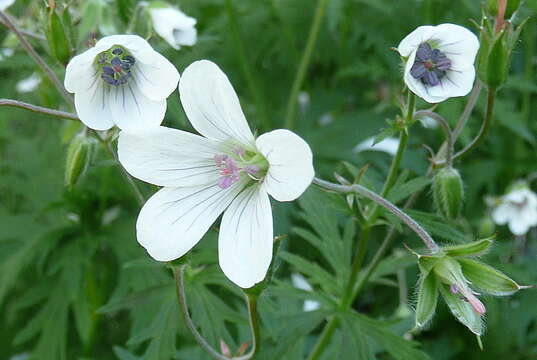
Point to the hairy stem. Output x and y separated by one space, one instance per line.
252 314
304 63
379 200
39 109
37 58
445 127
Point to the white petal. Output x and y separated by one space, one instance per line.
80 72
92 107
133 110
174 219
169 22
290 164
28 84
455 40
416 86
518 226
156 79
311 305
168 157
300 282
4 4
212 105
411 42
245 240
503 213
186 37
454 83
387 145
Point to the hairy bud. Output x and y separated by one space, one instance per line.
79 155
448 192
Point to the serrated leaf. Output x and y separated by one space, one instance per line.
401 192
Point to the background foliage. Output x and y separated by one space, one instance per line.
74 283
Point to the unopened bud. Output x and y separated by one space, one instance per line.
57 37
79 155
448 192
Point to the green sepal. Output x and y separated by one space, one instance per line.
487 278
474 248
448 192
58 38
448 271
462 310
427 262
498 62
427 299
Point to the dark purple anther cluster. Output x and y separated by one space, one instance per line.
430 65
118 71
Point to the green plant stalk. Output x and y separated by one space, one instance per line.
304 63
37 58
349 292
251 301
39 109
246 67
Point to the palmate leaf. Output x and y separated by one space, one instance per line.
379 333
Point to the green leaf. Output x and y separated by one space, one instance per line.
427 299
403 191
462 310
487 278
474 248
437 226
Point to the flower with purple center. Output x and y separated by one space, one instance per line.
121 81
439 61
227 170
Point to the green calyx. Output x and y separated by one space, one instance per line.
448 192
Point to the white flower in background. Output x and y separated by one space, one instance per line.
439 61
4 4
301 283
121 81
518 209
388 145
303 100
5 53
227 170
29 84
173 25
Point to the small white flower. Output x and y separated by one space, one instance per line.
227 170
5 53
173 25
29 84
120 81
388 145
439 61
4 4
301 283
518 209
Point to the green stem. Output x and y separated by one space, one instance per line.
37 58
252 314
246 67
447 131
304 63
39 109
349 292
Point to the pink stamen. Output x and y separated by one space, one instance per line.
454 288
239 151
477 305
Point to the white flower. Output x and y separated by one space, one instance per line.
227 170
439 61
28 84
301 283
518 209
388 145
5 53
121 81
173 25
4 4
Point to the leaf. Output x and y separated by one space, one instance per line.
401 192
437 226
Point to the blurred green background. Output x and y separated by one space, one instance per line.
75 284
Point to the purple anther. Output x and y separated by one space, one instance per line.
430 65
117 51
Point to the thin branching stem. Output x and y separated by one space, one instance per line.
445 127
39 109
36 57
27 33
251 300
379 200
304 63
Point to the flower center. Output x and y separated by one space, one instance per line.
115 65
430 66
239 163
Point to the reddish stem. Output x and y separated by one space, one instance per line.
502 5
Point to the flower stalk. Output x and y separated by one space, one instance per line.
251 301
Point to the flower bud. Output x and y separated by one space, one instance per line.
486 227
448 192
57 37
79 155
